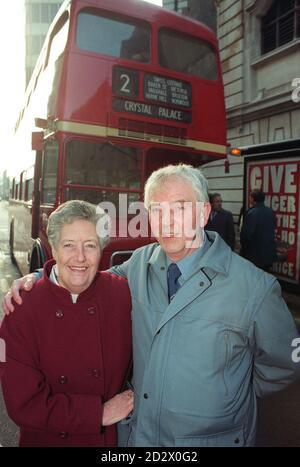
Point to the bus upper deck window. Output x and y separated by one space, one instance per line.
113 36
58 41
187 54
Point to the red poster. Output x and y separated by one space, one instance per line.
279 179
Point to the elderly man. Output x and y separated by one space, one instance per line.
211 332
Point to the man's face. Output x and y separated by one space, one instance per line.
176 219
217 203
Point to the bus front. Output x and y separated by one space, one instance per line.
140 89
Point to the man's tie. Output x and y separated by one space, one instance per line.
173 276
212 215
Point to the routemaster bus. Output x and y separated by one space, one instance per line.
120 89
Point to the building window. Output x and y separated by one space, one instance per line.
45 13
281 24
41 13
54 9
34 44
35 13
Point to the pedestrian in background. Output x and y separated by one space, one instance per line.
221 221
258 233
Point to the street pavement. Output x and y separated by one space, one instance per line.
278 415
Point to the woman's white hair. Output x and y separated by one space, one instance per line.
73 210
182 172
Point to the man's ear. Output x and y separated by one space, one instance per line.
207 211
204 209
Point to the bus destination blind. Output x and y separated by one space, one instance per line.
159 93
167 91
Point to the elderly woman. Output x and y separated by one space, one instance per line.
68 346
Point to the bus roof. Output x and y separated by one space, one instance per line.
150 12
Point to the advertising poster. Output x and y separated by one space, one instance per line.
279 179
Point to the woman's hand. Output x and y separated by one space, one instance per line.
24 283
117 408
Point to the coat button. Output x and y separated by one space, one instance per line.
237 441
59 314
146 396
96 373
62 379
91 310
63 434
201 284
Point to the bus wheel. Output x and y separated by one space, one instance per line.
37 259
11 244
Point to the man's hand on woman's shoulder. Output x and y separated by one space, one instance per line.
24 283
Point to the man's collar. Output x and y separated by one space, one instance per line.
217 257
190 263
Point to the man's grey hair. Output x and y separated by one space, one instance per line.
182 172
71 211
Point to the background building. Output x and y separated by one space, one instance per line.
38 17
202 10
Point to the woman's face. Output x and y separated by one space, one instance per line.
77 255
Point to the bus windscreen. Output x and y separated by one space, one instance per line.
103 165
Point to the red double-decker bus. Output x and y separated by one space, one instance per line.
120 89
